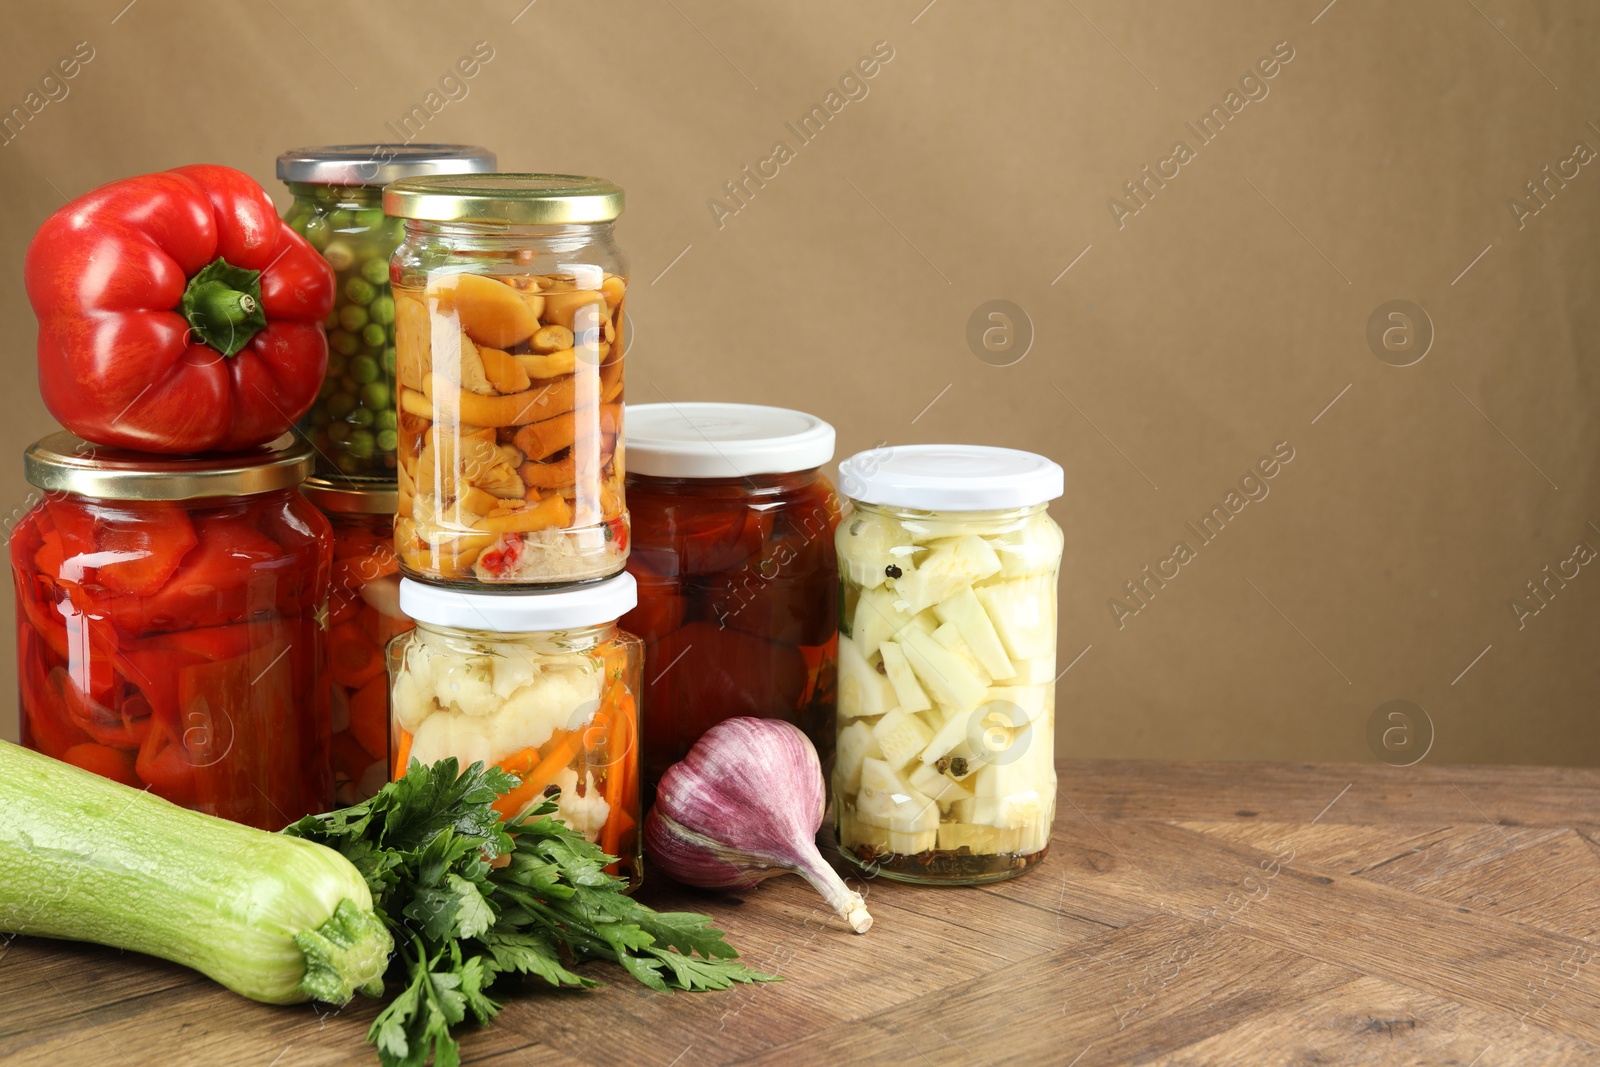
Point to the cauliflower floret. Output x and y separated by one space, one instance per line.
445 733
514 667
466 683
554 700
412 702
585 814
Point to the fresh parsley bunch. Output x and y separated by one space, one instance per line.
468 898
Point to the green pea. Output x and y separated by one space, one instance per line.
364 369
342 219
344 343
339 432
372 335
395 231
339 255
336 364
352 317
387 440
376 395
329 387
317 231
369 218
381 310
332 321
376 270
360 417
360 443
340 404
388 360
359 291
350 385
388 419
329 194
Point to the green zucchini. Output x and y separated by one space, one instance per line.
274 918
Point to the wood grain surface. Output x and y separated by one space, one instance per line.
1190 914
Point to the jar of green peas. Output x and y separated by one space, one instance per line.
338 207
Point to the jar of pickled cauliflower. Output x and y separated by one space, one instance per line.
338 207
733 525
509 341
542 684
170 624
945 748
363 616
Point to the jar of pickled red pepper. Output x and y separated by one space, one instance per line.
338 207
509 340
945 767
170 624
542 684
363 615
733 525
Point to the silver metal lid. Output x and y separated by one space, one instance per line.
380 164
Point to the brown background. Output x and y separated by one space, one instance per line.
1176 351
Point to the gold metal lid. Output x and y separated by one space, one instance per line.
352 498
532 199
66 463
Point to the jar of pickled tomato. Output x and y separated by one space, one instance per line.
542 684
363 615
509 340
733 524
338 207
169 624
945 768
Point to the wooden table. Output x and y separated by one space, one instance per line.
1208 913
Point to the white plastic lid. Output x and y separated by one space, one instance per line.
520 613
708 440
951 477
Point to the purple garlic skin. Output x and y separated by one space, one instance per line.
744 805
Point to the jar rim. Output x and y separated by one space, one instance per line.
523 611
380 164
505 198
352 498
951 477
705 439
63 462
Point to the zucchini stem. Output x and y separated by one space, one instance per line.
347 953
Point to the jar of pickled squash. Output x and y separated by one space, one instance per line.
509 340
542 684
363 615
338 207
169 624
733 526
945 766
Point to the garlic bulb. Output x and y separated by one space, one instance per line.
742 806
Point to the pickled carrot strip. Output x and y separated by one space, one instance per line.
402 757
565 747
520 763
354 658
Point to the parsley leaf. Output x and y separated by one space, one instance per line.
469 898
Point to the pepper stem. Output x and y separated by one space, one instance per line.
222 305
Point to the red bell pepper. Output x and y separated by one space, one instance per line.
177 313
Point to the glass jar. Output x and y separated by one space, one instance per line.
509 338
363 616
542 684
170 631
945 767
338 207
733 551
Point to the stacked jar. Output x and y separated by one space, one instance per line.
733 550
511 529
948 562
169 630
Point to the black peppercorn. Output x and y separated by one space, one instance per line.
892 571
